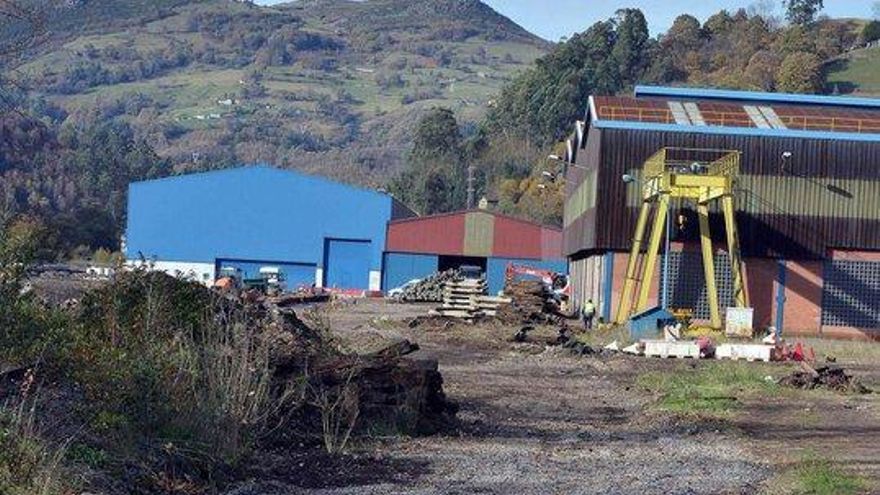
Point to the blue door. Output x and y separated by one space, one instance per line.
347 264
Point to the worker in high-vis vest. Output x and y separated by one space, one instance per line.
588 312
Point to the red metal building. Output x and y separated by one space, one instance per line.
417 247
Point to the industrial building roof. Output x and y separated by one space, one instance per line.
739 112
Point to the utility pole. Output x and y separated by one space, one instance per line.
471 190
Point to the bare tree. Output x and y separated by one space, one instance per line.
876 10
766 9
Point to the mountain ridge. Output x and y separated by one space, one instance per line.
338 81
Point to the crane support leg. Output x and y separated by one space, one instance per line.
740 295
709 265
653 248
624 307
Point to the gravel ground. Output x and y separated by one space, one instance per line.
533 420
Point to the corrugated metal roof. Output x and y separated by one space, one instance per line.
757 96
249 169
740 112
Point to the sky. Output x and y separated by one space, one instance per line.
553 19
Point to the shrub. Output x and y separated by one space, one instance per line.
23 326
160 358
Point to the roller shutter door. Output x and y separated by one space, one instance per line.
348 264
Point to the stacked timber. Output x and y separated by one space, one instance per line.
490 305
461 299
430 289
528 302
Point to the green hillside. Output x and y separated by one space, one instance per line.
329 86
857 73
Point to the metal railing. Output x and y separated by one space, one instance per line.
710 161
715 118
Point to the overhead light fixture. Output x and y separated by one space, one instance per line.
786 157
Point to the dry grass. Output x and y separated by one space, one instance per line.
846 352
29 464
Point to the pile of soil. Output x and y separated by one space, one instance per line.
832 378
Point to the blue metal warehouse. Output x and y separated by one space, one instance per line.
314 230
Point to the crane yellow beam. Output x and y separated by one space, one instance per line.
702 183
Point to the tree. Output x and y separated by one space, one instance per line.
435 181
800 72
681 46
632 38
871 32
795 39
540 104
876 11
437 135
760 74
719 23
802 12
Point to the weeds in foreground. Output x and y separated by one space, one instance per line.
604 334
713 389
176 379
29 464
339 407
816 476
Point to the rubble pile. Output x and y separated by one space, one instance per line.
528 303
395 386
430 289
832 378
581 349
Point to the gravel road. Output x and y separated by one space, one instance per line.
533 420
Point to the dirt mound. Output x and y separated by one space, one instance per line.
832 378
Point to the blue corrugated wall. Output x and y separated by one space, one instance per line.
497 267
400 268
251 213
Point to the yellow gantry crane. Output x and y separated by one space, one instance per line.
669 174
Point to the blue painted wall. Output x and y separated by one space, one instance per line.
497 267
400 268
251 213
295 275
